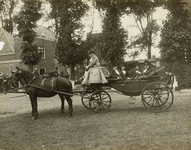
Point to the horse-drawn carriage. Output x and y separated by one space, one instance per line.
155 90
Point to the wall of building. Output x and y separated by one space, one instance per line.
48 62
10 61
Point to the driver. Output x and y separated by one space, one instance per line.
94 61
93 73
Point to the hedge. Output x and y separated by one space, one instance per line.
182 73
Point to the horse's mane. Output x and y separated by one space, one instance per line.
27 73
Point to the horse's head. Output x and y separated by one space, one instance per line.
22 76
17 76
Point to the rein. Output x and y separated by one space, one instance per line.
30 85
22 87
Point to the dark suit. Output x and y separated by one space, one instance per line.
116 74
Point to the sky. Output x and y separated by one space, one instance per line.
128 22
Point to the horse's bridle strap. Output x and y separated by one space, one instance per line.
31 81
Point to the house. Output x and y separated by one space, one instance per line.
9 59
11 51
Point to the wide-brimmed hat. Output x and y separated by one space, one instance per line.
92 51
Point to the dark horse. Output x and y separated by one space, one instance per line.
37 86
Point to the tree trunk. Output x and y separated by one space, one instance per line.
149 45
149 51
72 71
30 67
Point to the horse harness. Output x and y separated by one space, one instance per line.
52 81
41 84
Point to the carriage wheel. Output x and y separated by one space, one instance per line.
100 101
85 100
157 96
166 77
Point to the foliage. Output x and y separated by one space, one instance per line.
26 20
142 12
175 36
183 75
6 14
30 54
67 16
113 36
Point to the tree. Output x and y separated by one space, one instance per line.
143 14
114 37
26 20
175 37
7 14
67 15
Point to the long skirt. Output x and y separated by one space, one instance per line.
94 75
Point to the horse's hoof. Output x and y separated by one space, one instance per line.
62 112
34 117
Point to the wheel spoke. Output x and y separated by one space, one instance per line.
105 104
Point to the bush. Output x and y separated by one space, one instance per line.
183 75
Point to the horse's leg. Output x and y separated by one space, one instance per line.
69 100
62 102
31 99
34 106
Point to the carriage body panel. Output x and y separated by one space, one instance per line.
130 87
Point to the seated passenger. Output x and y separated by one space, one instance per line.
125 74
115 73
147 68
138 70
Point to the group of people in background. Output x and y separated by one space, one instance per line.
125 74
52 74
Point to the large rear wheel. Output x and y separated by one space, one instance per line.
100 101
157 96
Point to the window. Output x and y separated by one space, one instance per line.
42 50
42 71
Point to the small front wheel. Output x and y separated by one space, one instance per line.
100 101
85 100
157 96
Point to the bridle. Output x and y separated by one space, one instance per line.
17 78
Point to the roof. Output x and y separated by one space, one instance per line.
6 42
45 33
